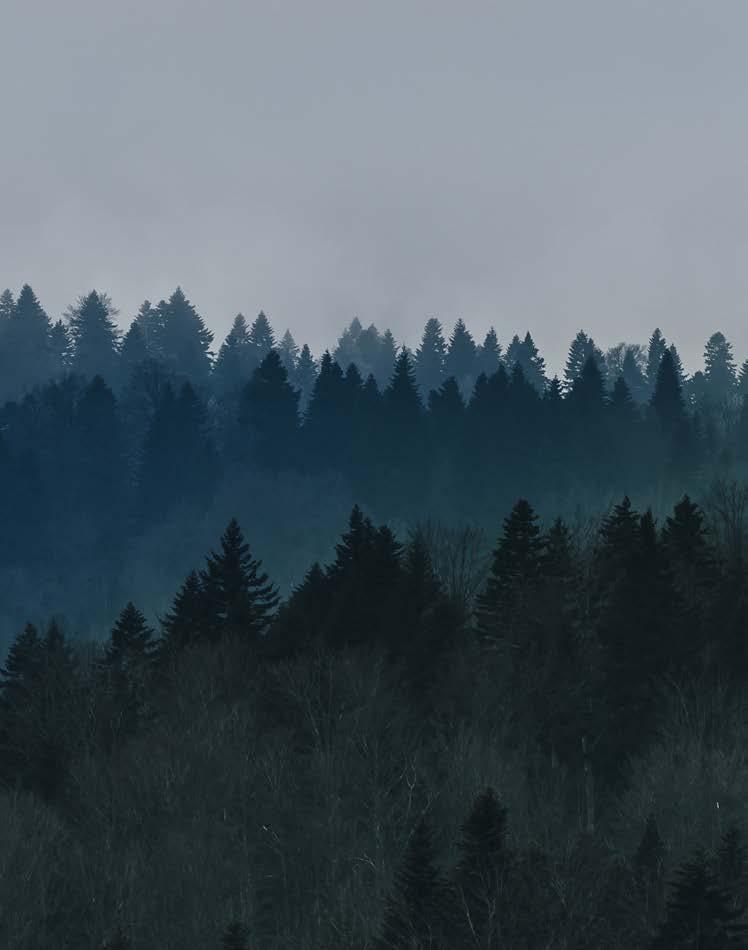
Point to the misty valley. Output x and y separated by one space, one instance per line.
375 649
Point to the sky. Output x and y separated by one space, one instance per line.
549 166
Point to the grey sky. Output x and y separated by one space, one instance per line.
545 165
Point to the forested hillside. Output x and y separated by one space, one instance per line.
380 650
122 457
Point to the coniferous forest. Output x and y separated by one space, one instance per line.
382 648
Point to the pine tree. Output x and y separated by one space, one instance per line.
239 598
581 350
95 337
232 364
261 340
514 572
386 354
524 353
719 368
7 308
61 348
187 621
415 916
655 352
235 937
667 399
460 361
132 353
430 358
488 357
304 376
631 371
26 357
269 416
183 340
288 352
148 319
480 876
699 913
401 395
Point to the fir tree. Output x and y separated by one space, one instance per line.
460 361
430 358
132 353
269 416
148 319
26 358
95 337
304 376
719 368
261 340
232 364
655 352
288 352
414 917
7 308
187 621
183 340
699 913
61 348
514 572
239 598
488 357
667 399
582 349
480 876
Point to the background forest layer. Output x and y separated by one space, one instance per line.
122 458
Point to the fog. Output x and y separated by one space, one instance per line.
528 165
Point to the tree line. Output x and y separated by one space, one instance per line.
339 710
119 439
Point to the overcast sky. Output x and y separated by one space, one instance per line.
549 165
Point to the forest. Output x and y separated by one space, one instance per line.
380 649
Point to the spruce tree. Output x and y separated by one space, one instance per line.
514 573
260 339
26 357
416 915
304 376
481 873
148 319
524 353
61 348
231 368
183 341
269 416
401 395
95 337
655 352
699 914
7 308
288 352
581 350
719 368
632 373
239 598
488 357
667 399
386 354
187 622
460 361
430 358
133 352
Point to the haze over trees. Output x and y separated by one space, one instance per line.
503 709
